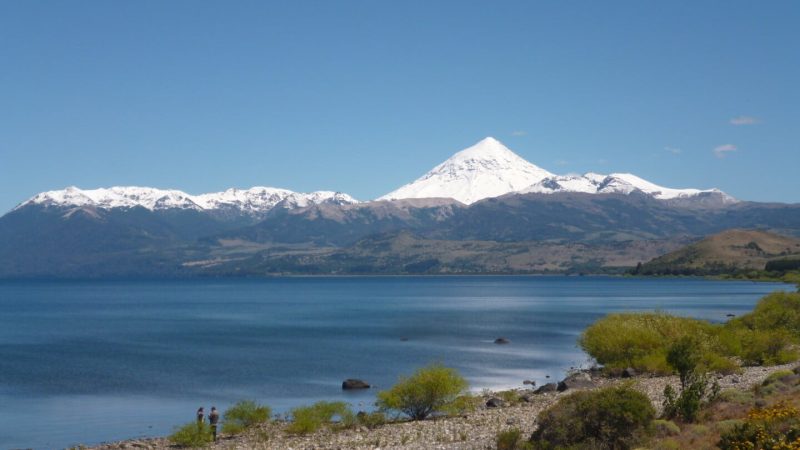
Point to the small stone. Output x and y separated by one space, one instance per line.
630 372
529 382
512 421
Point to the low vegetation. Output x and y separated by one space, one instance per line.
767 335
430 390
611 418
243 415
193 434
765 417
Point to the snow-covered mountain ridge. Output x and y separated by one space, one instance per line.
617 183
255 200
489 169
484 170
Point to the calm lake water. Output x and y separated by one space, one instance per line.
86 362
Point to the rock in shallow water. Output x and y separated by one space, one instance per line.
354 383
502 340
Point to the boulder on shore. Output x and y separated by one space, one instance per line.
579 380
494 402
354 383
549 387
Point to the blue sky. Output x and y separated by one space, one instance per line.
362 97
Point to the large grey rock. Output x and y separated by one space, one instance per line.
578 380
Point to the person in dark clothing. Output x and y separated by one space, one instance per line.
213 418
200 414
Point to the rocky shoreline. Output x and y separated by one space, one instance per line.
473 431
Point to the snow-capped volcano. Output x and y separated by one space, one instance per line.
256 200
487 169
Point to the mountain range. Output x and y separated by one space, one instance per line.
483 210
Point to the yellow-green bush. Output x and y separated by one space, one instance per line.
431 389
764 336
193 434
779 310
641 340
243 415
308 419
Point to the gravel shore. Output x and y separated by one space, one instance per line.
473 431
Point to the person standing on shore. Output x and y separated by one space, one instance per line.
213 418
200 414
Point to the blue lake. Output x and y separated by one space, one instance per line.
86 362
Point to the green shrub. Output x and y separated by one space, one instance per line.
512 440
431 389
308 419
244 415
610 418
779 310
193 434
683 356
758 346
686 404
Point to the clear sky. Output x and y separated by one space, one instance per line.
362 97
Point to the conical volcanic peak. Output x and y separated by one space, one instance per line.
486 169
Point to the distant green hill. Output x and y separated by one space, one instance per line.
727 253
